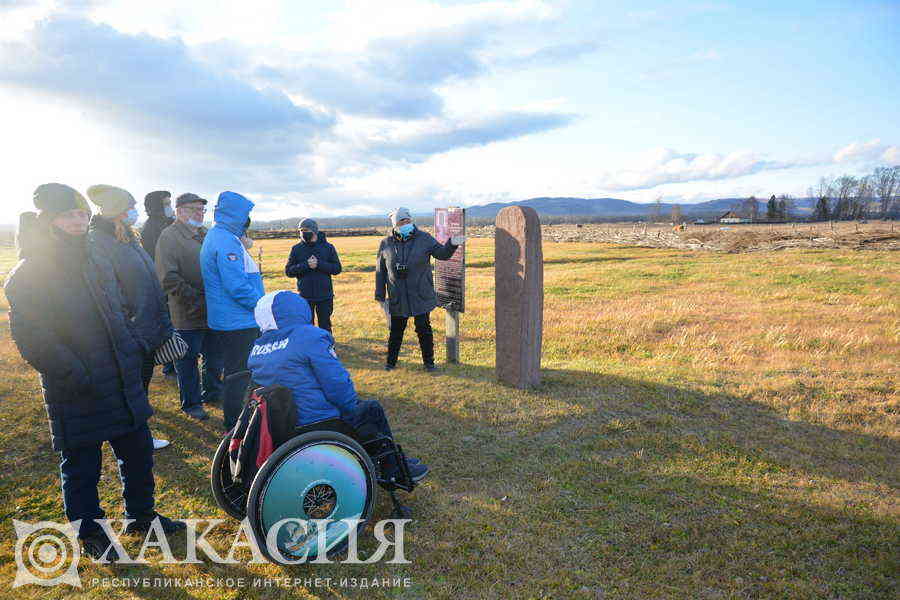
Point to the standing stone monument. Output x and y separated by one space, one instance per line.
519 290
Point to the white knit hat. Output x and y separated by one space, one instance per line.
398 214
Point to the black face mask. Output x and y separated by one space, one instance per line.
307 236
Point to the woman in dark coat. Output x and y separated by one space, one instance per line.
68 321
111 236
403 270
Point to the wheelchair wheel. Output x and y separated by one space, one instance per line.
231 497
316 475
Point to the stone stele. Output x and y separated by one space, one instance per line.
519 302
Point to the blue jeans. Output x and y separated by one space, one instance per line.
80 473
204 385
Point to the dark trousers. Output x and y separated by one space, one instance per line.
80 473
147 368
423 330
370 422
235 348
322 310
196 386
369 419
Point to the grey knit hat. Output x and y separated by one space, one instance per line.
398 214
309 224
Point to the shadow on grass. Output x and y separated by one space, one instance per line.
641 489
752 431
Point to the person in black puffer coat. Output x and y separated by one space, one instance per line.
111 236
313 262
68 320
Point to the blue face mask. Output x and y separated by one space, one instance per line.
405 230
131 217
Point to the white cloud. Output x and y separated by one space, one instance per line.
664 165
891 155
867 152
859 151
153 87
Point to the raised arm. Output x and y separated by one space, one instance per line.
443 251
296 267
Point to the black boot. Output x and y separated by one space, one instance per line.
143 525
96 544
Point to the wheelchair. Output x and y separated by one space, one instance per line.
327 470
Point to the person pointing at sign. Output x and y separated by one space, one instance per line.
404 285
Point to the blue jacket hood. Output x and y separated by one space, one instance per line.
279 310
232 212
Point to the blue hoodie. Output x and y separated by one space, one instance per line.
298 355
231 277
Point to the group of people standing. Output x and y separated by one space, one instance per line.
91 302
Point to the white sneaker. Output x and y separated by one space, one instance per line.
159 444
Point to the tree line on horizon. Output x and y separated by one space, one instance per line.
851 198
842 198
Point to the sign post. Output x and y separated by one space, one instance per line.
450 275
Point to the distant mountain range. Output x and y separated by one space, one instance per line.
612 208
615 207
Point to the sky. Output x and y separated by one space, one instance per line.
350 107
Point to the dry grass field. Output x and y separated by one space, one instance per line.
746 237
709 426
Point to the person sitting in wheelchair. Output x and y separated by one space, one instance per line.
294 353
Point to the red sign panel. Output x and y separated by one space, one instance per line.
450 275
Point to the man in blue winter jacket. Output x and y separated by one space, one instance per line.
294 353
233 284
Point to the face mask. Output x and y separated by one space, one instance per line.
195 223
169 212
131 217
247 242
307 236
405 230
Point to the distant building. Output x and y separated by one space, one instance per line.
733 217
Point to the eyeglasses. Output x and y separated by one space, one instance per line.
199 210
